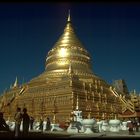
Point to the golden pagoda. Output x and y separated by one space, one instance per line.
68 74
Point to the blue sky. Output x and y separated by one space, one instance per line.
110 32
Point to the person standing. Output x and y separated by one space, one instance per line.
130 128
18 118
48 125
31 123
26 122
3 125
41 125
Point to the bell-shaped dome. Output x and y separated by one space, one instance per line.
68 50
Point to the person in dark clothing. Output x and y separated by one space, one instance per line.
3 125
48 125
26 122
135 124
130 128
31 122
41 125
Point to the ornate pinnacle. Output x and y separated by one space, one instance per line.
69 18
16 83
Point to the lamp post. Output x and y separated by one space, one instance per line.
54 110
42 109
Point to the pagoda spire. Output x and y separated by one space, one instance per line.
69 17
11 86
134 92
16 83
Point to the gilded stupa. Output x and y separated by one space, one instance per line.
67 76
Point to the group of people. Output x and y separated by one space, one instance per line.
133 125
28 121
19 117
48 125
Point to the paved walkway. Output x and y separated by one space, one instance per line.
120 134
64 134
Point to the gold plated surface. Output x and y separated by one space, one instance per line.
68 49
69 81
